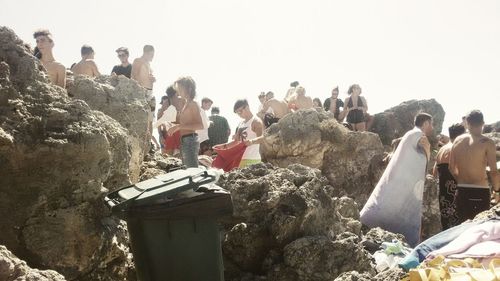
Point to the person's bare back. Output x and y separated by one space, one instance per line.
56 72
469 157
280 108
302 102
86 67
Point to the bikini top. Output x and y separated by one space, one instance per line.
360 102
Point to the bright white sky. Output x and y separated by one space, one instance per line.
395 49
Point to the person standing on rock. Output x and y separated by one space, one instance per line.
124 68
273 110
396 201
357 108
189 122
173 142
248 131
43 51
333 105
299 100
142 73
447 183
87 65
219 130
469 156
205 147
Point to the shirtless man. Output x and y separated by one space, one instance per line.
189 122
55 70
278 109
299 100
87 65
469 156
291 90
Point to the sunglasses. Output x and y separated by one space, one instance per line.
122 55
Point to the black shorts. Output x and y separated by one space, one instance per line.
355 116
471 201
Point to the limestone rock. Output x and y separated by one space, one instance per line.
351 161
354 276
14 269
155 164
396 121
431 217
374 238
58 157
491 128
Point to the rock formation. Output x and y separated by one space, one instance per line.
396 121
58 157
14 269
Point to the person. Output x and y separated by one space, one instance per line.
142 73
87 65
162 129
219 130
469 156
396 201
250 128
173 143
299 100
189 122
124 68
43 51
317 104
262 100
356 107
291 91
333 105
447 184
203 137
273 110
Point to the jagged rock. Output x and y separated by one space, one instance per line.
352 161
273 207
390 275
396 121
374 238
495 136
431 216
155 164
320 258
491 128
58 157
123 100
354 276
14 269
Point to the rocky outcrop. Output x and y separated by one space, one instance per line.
287 225
396 121
123 100
12 269
431 217
155 164
495 136
351 161
491 128
58 157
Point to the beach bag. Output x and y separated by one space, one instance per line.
468 269
228 155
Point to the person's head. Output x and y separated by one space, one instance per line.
186 87
171 92
215 110
424 122
87 52
206 103
269 95
354 89
455 130
148 52
262 97
165 102
335 92
123 54
241 108
475 121
300 90
44 41
317 102
294 84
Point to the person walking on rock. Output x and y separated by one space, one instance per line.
396 202
43 51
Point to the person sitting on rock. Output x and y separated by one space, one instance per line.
273 110
43 51
291 91
447 183
87 65
189 121
299 100
125 67
262 100
356 107
317 104
333 105
469 156
249 129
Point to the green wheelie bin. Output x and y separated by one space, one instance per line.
172 225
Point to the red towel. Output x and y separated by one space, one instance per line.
228 155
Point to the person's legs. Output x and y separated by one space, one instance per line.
189 149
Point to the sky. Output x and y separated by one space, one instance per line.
396 50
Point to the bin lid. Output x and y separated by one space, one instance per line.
164 187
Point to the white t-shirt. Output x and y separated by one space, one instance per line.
203 133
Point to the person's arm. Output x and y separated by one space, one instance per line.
423 142
113 71
61 76
492 163
452 166
228 129
326 104
136 69
95 70
258 128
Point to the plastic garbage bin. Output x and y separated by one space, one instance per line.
172 224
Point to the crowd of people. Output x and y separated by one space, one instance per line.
186 129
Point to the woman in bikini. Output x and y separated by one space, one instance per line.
356 107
